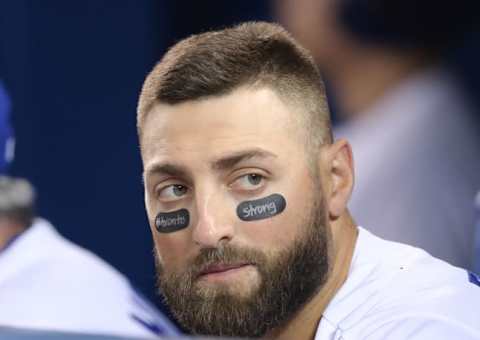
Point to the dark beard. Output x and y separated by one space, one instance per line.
288 280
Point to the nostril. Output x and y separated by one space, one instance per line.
209 234
223 241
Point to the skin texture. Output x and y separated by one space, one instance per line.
197 145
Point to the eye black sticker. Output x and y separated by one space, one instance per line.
172 221
262 208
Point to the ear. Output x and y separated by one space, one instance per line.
338 169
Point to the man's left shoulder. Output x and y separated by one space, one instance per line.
420 327
433 300
430 284
409 292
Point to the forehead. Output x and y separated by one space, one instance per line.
199 130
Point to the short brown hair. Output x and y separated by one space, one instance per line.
256 53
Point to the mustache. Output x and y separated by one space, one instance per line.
207 257
224 256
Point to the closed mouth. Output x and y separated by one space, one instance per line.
221 268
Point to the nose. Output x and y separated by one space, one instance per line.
214 226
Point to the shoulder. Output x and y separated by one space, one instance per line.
55 261
421 327
413 280
424 309
397 292
72 289
413 327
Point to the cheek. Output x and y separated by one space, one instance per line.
171 249
278 232
275 233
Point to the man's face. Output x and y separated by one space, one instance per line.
221 274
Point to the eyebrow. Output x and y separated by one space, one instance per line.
221 164
233 159
167 169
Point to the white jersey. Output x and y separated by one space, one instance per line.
398 292
47 282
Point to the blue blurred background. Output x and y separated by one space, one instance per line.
74 70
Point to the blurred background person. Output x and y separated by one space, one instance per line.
413 130
49 283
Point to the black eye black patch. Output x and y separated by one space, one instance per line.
262 208
172 221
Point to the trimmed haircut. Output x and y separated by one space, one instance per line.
256 54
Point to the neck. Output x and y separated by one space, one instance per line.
8 230
365 77
305 322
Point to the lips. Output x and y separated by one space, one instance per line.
221 268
